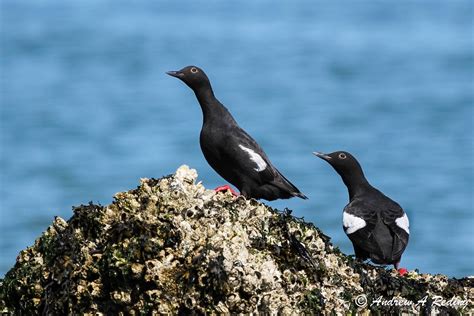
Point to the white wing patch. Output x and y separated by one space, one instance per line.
261 164
352 223
403 223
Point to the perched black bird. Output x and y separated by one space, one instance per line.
230 150
377 226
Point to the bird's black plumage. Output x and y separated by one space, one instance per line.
377 226
230 151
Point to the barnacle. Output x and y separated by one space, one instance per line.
170 246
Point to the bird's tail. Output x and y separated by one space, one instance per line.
300 195
293 190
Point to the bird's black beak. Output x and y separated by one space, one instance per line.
322 156
177 74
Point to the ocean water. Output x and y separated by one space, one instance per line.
87 110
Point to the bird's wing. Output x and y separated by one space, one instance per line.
384 225
249 156
268 174
246 162
359 223
395 218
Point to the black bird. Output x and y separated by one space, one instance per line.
230 150
377 226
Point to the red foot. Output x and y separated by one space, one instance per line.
402 271
226 187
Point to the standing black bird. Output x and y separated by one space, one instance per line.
377 226
230 150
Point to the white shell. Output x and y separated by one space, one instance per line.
261 164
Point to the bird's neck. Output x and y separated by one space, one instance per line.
355 182
211 107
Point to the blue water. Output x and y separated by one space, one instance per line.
86 109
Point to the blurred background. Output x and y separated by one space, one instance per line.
87 110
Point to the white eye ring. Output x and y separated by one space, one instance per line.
194 70
342 156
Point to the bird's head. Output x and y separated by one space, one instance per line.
193 76
343 162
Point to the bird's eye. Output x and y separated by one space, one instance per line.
194 70
342 156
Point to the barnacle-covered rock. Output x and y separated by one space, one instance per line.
171 246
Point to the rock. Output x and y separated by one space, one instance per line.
171 246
